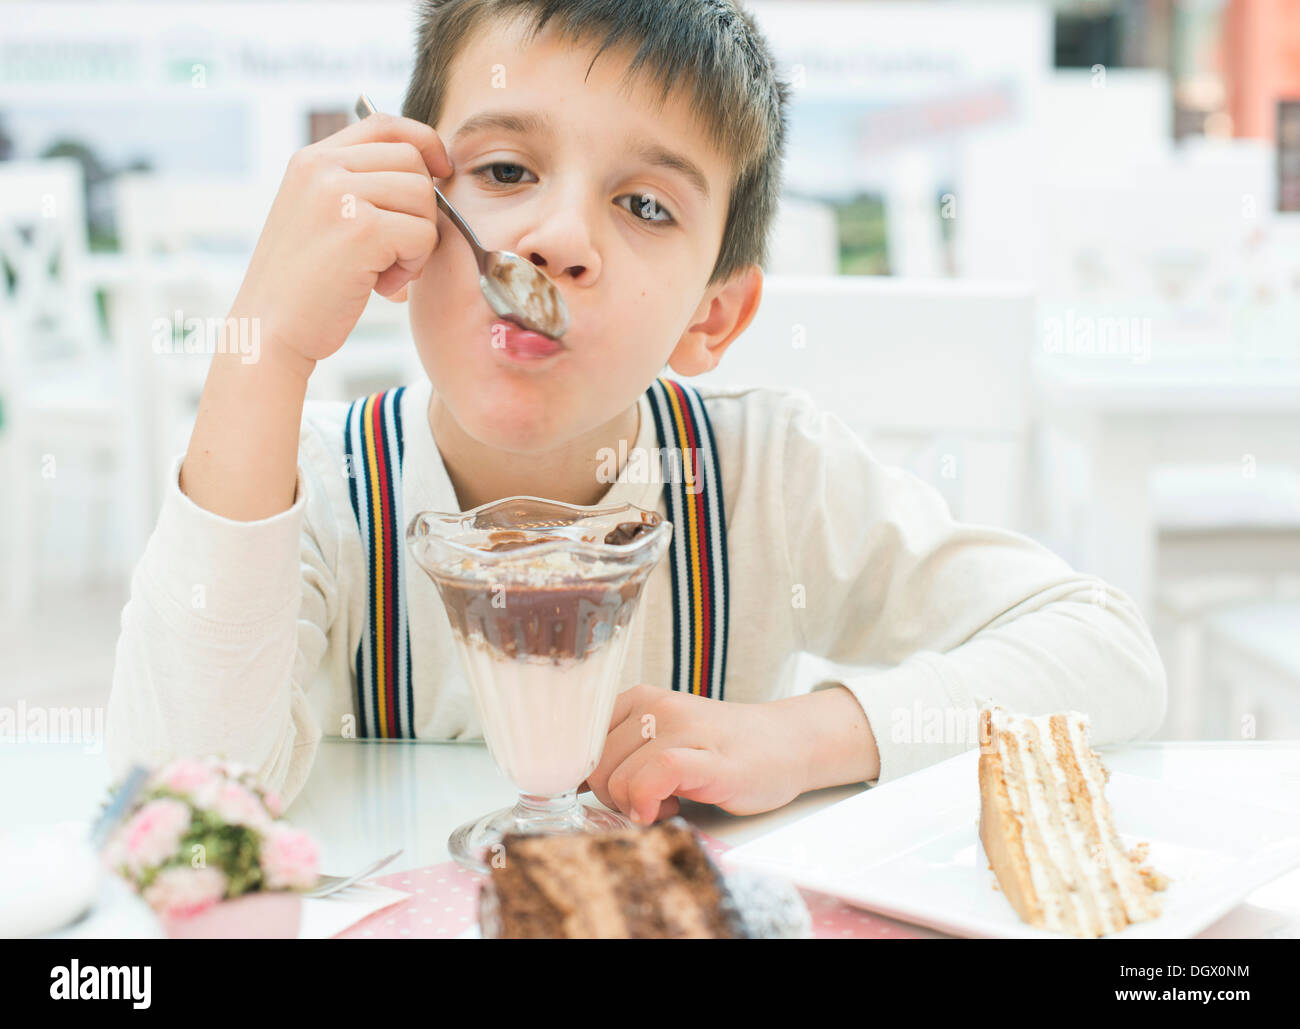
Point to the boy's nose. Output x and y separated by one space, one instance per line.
560 240
574 271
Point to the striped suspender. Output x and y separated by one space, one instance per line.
699 544
373 446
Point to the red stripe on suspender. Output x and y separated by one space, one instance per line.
383 537
703 684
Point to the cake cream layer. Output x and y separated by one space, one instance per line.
1085 882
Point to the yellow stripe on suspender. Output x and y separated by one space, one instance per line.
692 550
377 557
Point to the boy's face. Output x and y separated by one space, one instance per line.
572 198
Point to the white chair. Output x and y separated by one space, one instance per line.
1253 670
1184 244
1226 541
1182 604
934 375
805 239
191 241
1170 240
187 242
62 393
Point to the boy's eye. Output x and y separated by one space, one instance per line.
644 206
509 179
647 209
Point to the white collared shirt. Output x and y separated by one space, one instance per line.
240 637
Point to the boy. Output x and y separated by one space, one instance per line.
633 151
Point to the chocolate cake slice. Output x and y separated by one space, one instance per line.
642 883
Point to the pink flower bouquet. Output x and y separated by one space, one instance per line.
205 831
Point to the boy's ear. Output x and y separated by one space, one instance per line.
723 314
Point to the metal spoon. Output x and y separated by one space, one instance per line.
514 287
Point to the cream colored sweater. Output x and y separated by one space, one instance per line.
239 637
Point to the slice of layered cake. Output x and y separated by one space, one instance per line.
641 883
1047 829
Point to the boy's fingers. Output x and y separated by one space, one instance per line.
679 771
387 128
405 192
369 157
392 283
407 240
620 742
619 782
626 701
601 789
668 808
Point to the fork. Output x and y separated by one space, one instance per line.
330 884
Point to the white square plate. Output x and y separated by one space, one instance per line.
911 850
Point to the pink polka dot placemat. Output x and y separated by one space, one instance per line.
443 904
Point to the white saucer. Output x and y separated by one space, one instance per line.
52 884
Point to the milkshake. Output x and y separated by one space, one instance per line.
543 643
541 598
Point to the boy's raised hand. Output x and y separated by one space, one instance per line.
663 745
356 212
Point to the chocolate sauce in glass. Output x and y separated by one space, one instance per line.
558 621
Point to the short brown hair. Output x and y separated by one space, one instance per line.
735 91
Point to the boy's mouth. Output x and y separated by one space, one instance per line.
516 343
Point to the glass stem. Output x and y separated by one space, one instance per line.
541 814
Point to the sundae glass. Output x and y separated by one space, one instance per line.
540 596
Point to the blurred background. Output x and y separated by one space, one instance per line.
1044 254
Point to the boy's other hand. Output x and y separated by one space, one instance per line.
663 745
356 212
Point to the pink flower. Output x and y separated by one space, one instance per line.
182 891
289 859
236 805
273 803
186 775
154 833
113 855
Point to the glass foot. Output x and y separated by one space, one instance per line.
475 845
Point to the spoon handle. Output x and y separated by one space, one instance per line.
480 254
364 109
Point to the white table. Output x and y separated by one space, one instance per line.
365 799
1132 418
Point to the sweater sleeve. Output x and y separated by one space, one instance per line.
225 627
936 618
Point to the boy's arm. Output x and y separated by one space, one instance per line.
938 618
243 451
224 630
356 213
232 602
